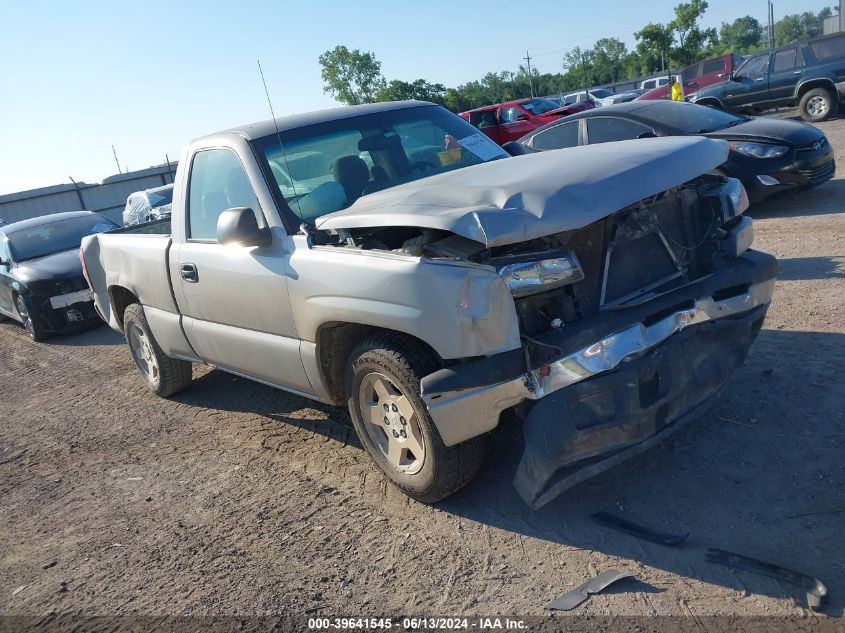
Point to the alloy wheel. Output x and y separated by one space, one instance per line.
142 353
817 106
392 423
24 314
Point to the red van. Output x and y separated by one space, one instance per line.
509 121
696 76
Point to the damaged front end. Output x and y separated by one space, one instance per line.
629 326
632 287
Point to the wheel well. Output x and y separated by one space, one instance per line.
817 83
710 101
121 298
335 342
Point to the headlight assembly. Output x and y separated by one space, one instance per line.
529 277
759 150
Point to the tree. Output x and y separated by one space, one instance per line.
692 39
608 53
654 42
788 29
351 77
743 35
398 90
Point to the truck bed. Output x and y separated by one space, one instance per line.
133 258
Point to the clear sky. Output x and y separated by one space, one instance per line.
77 76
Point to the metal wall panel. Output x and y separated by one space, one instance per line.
108 198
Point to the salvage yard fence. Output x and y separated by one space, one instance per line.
107 198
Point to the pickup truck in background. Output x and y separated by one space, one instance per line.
506 122
810 75
393 259
698 75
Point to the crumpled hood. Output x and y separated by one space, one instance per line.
512 200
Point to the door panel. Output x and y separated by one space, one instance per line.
234 299
751 83
786 70
240 317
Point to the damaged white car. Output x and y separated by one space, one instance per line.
391 258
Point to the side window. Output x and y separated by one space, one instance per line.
691 72
557 137
754 67
483 119
713 66
509 115
218 182
785 60
829 47
607 129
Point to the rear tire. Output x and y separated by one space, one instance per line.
383 391
817 105
36 332
163 375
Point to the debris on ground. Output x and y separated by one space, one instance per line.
573 598
640 531
816 591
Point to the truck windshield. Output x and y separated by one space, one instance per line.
326 167
540 106
54 237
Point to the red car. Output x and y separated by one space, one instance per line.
512 120
701 74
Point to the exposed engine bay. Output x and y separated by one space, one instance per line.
646 249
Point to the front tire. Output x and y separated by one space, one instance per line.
383 390
817 105
163 375
36 332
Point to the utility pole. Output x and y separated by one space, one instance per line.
527 58
113 151
770 19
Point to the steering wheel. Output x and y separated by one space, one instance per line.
423 165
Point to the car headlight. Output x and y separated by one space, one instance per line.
759 150
734 194
525 278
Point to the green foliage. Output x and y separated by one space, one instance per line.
354 77
351 77
398 90
743 35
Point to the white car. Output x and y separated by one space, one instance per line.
601 96
654 82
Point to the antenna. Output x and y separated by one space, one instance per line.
278 135
114 151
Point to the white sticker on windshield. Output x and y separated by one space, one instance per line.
480 145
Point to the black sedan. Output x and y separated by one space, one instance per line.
41 280
768 155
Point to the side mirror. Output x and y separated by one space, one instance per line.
514 149
521 117
239 226
4 263
648 134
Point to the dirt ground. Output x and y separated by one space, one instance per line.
237 499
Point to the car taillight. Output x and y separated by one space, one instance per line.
85 270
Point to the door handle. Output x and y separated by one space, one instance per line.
760 78
189 273
797 72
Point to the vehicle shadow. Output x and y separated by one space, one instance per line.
760 473
802 268
822 200
222 391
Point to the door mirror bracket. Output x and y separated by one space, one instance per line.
239 226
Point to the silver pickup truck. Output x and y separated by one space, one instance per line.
393 258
